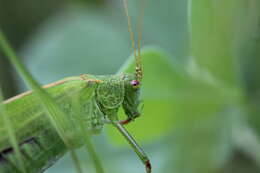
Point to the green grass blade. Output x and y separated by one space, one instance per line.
11 134
55 113
91 150
88 143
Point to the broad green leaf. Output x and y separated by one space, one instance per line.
249 54
203 146
225 41
203 140
215 28
186 105
173 96
160 80
202 135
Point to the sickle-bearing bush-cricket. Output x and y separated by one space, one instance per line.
37 127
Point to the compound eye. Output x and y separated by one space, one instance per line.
135 83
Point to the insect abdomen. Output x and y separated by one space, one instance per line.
38 153
37 139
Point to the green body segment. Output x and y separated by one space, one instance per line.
92 100
38 141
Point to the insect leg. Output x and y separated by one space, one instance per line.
132 118
128 120
138 150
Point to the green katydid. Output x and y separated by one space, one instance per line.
89 100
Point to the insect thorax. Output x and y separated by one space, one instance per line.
115 91
100 97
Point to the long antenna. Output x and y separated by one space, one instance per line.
138 68
130 26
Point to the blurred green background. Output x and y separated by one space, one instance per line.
201 76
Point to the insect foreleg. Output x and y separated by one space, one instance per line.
128 120
138 150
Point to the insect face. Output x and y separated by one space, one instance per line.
131 103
